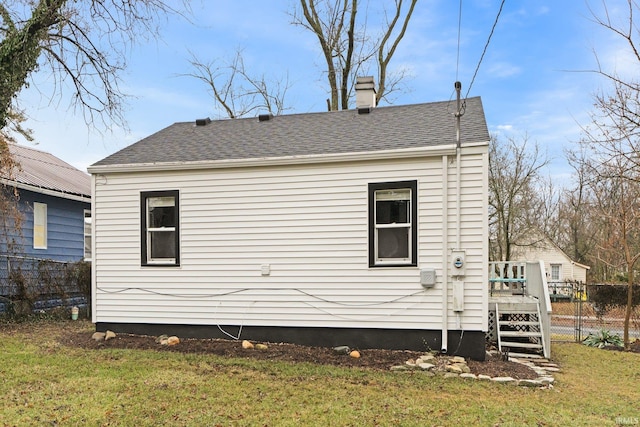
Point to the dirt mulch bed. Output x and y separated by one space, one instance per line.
375 359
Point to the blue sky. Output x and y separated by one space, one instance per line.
531 79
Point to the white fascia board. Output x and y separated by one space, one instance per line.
439 150
46 191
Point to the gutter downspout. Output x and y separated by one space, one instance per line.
458 87
94 275
445 253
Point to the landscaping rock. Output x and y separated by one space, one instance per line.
109 335
247 345
546 380
355 354
342 349
484 377
458 359
161 338
173 340
426 366
426 358
468 376
261 347
98 336
454 369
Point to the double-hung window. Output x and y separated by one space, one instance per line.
393 233
555 272
160 228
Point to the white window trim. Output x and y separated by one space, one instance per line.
559 267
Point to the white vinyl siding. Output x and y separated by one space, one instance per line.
309 225
551 255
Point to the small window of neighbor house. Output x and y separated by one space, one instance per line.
39 225
87 235
160 228
555 272
393 233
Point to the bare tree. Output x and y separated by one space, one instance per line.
610 151
576 221
238 92
83 43
514 204
348 48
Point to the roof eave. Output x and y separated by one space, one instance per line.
47 191
438 150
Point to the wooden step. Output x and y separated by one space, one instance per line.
517 323
525 355
518 311
511 344
520 334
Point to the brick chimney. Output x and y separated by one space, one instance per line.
365 93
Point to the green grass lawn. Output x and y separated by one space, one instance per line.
45 383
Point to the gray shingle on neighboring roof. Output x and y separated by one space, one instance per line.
336 132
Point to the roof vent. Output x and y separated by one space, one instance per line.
203 122
364 110
265 117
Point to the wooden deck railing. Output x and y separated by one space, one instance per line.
507 278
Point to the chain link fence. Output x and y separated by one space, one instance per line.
29 285
575 315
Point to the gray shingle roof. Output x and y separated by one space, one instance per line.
44 170
336 132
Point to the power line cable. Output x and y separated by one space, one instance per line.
484 51
459 31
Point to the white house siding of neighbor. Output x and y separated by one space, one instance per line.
326 229
559 267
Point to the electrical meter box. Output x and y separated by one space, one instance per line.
458 263
428 277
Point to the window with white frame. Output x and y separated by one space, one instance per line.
160 228
39 225
555 272
393 233
87 235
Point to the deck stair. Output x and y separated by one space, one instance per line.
519 329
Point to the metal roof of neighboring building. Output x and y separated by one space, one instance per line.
310 134
43 171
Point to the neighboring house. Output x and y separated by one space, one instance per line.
364 227
559 268
55 202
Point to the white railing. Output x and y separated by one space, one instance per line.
525 279
537 286
507 278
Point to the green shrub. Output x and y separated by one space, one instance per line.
605 297
603 338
